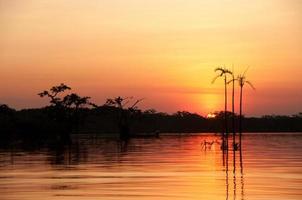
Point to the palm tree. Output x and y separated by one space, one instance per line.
223 72
242 81
233 108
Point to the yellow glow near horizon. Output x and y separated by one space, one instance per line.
163 50
211 115
210 102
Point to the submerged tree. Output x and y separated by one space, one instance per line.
224 72
242 81
64 110
74 103
233 109
53 94
56 110
124 113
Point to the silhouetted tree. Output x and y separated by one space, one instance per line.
124 113
56 109
65 109
7 116
233 109
54 92
242 81
6 110
74 103
224 72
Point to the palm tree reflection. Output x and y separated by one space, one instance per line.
227 185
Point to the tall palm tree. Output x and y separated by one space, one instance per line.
242 81
224 72
233 108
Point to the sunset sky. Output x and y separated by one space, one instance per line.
162 50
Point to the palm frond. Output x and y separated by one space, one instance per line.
214 79
220 69
228 72
252 86
223 70
230 81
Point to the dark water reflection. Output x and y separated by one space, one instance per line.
171 167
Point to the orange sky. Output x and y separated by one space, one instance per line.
161 50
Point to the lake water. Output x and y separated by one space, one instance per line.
165 168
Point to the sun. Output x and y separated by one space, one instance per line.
209 103
211 115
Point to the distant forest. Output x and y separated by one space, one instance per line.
103 120
70 113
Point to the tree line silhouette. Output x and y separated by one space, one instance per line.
71 113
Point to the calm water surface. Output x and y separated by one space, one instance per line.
169 167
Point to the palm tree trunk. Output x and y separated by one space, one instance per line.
233 112
240 118
225 106
225 111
